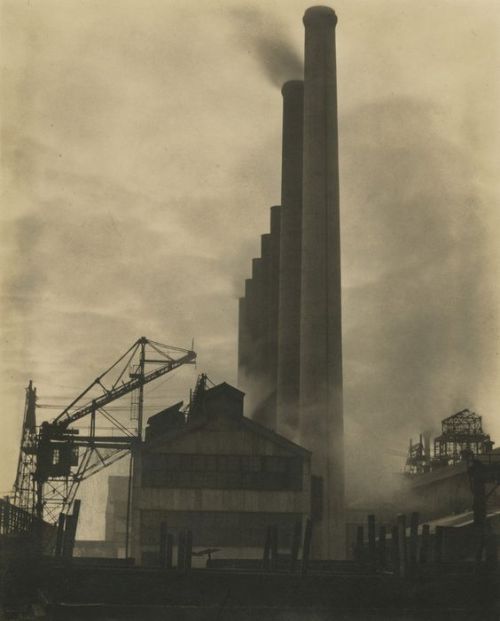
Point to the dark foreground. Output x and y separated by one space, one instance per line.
57 589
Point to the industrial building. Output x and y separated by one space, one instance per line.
220 475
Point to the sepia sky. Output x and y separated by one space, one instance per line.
141 153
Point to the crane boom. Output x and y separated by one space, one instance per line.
66 418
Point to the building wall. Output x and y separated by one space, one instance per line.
225 483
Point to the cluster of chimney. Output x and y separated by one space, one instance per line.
290 346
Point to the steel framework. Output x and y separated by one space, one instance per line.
462 435
55 458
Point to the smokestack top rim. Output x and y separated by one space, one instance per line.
292 86
319 15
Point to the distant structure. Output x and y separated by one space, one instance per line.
462 436
457 477
223 477
290 334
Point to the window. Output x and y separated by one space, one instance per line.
270 472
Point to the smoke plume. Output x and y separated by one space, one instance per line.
270 43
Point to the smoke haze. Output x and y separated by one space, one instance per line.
418 262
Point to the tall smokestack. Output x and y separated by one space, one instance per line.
321 415
289 275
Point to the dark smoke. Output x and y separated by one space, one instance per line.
271 45
417 281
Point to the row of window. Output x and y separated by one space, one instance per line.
223 480
222 472
221 463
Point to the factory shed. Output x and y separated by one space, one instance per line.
219 474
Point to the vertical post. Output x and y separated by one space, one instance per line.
491 551
294 553
129 504
402 545
181 549
188 551
39 499
140 405
267 548
274 546
381 547
372 552
169 551
163 544
479 496
414 518
70 530
395 549
438 544
424 544
306 550
60 534
360 542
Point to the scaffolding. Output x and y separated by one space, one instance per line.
462 436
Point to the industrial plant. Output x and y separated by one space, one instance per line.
234 505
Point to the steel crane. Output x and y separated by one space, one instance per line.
55 457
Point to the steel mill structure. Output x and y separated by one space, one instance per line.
290 337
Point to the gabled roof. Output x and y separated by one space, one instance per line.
200 419
196 424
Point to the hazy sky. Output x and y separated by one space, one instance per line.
141 153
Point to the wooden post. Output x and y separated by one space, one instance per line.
274 546
66 535
188 553
438 544
394 549
479 495
60 534
381 547
414 518
169 551
402 545
181 549
267 548
70 530
424 545
491 551
360 542
294 552
307 546
372 552
163 544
